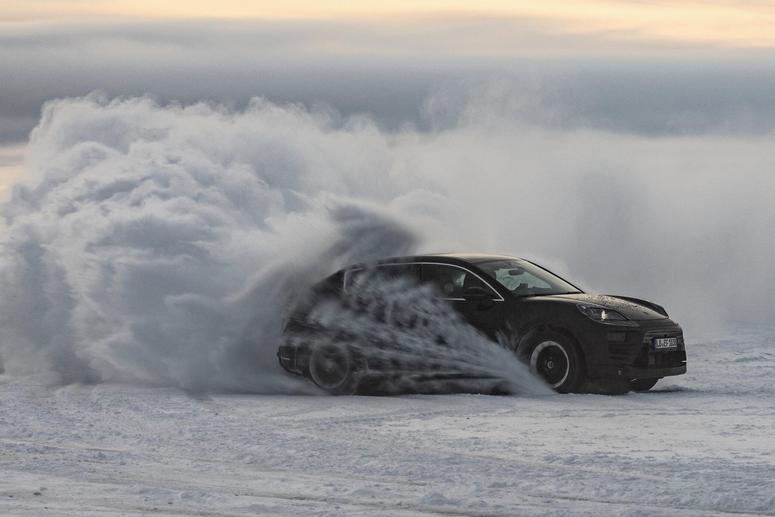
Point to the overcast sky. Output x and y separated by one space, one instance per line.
621 65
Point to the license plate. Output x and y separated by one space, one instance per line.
665 343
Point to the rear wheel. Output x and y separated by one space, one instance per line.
643 384
554 358
332 369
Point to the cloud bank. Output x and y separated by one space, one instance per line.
388 69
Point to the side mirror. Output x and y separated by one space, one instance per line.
477 294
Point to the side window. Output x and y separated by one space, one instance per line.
518 280
450 281
357 277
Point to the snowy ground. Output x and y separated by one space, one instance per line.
700 444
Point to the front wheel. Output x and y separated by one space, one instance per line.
332 369
643 384
554 358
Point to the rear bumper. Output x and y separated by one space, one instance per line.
290 359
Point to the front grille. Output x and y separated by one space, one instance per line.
643 355
648 358
621 353
664 359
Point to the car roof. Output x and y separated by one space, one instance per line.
451 258
473 257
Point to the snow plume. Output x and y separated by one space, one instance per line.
417 342
163 245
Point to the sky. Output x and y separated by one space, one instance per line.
731 22
628 66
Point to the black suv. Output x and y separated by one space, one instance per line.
574 340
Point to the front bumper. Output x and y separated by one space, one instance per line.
628 353
629 372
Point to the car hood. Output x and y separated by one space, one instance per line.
630 308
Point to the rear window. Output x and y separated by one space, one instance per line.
357 277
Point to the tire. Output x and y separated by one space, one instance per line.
554 357
332 369
641 385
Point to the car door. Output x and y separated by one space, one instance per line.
452 283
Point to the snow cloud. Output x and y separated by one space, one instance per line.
163 243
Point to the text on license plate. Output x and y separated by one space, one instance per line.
665 343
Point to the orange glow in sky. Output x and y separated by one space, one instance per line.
723 23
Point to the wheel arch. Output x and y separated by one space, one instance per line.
534 329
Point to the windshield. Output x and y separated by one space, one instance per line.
525 279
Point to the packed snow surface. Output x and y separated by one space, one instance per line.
699 444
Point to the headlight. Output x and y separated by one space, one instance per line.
604 315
